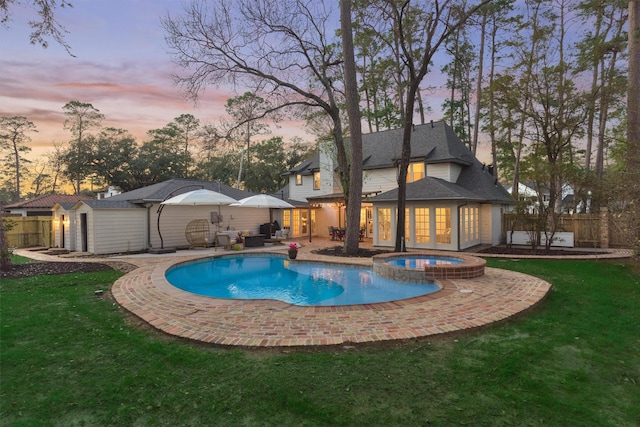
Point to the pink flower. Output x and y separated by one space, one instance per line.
293 246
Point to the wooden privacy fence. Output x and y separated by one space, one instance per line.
589 230
28 231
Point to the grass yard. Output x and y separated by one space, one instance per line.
69 358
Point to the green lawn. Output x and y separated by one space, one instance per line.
69 358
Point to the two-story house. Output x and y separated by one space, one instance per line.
453 201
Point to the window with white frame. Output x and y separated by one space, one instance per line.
443 225
407 225
415 172
316 180
384 224
422 225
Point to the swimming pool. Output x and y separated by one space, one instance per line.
299 283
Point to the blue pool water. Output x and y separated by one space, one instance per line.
419 262
299 283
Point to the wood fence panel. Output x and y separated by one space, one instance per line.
586 229
29 231
619 230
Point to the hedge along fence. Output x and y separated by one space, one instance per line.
28 231
589 230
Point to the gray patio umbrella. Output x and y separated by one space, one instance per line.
200 197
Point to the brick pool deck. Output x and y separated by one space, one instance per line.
461 305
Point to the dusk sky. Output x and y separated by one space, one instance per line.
121 66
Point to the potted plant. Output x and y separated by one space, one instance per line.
293 250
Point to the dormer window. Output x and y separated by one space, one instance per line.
316 180
298 179
415 172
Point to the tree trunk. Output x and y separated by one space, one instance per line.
633 95
5 252
476 119
633 122
352 236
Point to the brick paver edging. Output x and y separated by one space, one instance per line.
461 304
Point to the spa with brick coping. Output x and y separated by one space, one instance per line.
469 267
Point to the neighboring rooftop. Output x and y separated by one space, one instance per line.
47 201
173 187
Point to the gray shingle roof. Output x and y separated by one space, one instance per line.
307 167
433 142
428 189
112 204
283 194
474 184
476 178
47 201
159 192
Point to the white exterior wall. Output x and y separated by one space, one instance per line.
58 228
174 221
446 171
112 230
379 180
301 192
72 231
496 222
131 235
328 184
326 216
490 224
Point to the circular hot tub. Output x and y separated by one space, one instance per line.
427 266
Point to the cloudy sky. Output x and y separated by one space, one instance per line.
121 66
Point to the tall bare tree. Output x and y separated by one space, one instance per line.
188 128
283 51
13 137
247 111
81 116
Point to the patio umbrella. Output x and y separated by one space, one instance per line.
200 197
263 201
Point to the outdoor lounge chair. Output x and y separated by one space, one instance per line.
197 233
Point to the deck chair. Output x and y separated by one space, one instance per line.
224 240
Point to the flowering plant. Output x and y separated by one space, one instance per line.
293 246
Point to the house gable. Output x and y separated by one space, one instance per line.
434 144
447 171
